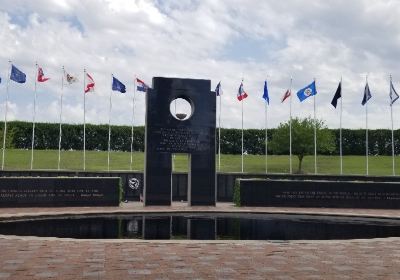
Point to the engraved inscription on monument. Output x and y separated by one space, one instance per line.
44 193
180 140
338 195
53 191
296 193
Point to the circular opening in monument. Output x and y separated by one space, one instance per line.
181 109
205 226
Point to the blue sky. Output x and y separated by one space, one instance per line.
217 40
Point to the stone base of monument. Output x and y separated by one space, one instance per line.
59 191
317 193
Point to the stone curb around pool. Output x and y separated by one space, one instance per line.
331 212
186 241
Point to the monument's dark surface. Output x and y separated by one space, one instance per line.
336 194
167 134
57 192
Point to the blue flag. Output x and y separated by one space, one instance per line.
218 89
306 92
265 95
17 75
393 94
118 86
367 95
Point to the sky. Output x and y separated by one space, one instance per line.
223 41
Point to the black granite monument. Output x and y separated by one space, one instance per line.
167 134
59 191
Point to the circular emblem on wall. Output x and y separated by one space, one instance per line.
307 92
134 183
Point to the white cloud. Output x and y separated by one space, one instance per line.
217 40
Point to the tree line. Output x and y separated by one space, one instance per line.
19 136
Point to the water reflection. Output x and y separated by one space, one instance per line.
202 227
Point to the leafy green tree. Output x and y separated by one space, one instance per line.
302 139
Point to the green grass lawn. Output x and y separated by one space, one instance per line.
73 160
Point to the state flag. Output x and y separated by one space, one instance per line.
218 89
118 86
89 83
70 79
17 75
141 86
40 76
338 94
367 95
286 96
307 91
241 93
265 95
393 94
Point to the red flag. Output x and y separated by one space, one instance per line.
286 96
89 83
241 93
40 76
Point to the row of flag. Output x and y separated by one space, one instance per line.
18 76
308 91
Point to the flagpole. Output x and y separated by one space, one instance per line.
391 118
84 120
5 117
242 131
266 138
34 116
315 131
173 155
60 129
290 126
340 129
366 128
133 118
109 128
219 133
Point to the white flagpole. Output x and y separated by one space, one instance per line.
340 129
290 127
391 118
60 129
173 155
315 133
242 132
366 128
133 119
84 120
34 116
109 127
5 117
219 133
266 137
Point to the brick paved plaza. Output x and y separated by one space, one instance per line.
44 258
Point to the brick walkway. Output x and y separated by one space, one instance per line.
43 258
